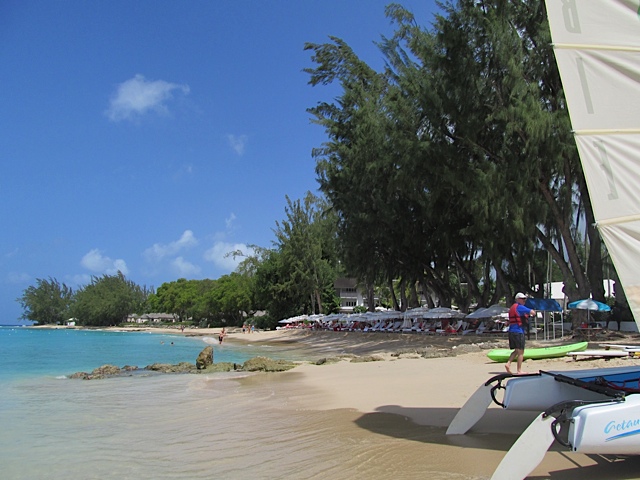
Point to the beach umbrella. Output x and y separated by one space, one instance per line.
443 312
417 312
589 304
489 312
407 324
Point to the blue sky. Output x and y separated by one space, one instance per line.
153 137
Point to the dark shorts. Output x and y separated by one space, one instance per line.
516 341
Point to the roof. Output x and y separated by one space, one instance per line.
345 283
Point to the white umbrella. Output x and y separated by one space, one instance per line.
443 312
489 312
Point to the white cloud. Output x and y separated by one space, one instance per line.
137 96
159 251
95 262
229 221
184 268
237 143
218 254
18 278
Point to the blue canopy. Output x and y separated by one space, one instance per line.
543 304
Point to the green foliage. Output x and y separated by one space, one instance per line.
264 322
224 301
48 302
306 265
274 290
107 300
456 164
229 300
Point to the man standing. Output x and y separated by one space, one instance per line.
518 315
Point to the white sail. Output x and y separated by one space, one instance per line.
597 47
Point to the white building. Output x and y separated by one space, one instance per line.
350 295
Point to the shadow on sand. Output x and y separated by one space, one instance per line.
497 431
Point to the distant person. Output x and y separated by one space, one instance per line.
222 334
518 318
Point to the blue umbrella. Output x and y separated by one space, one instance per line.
589 304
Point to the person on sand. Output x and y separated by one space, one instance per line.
222 334
518 315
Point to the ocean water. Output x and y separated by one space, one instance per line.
213 426
37 352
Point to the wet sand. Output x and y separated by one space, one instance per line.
387 419
412 399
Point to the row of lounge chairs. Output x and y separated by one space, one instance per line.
428 327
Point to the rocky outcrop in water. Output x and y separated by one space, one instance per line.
204 364
205 358
264 364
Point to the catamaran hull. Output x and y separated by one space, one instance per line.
607 429
537 393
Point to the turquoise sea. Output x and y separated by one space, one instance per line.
43 352
213 426
160 426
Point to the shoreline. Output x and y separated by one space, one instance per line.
407 398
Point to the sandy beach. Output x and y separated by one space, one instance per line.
412 398
393 412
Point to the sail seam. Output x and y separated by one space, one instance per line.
617 131
617 220
576 46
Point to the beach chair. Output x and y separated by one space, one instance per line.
394 326
432 327
452 329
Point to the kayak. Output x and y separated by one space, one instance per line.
502 354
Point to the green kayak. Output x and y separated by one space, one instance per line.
502 354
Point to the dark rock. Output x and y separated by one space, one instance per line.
264 364
438 353
106 370
367 358
220 367
182 367
205 358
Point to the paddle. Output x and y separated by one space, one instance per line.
472 411
528 451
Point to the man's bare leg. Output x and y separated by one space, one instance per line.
512 357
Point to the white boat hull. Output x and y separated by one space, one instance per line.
539 392
534 393
607 428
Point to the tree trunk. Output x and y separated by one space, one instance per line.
394 299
